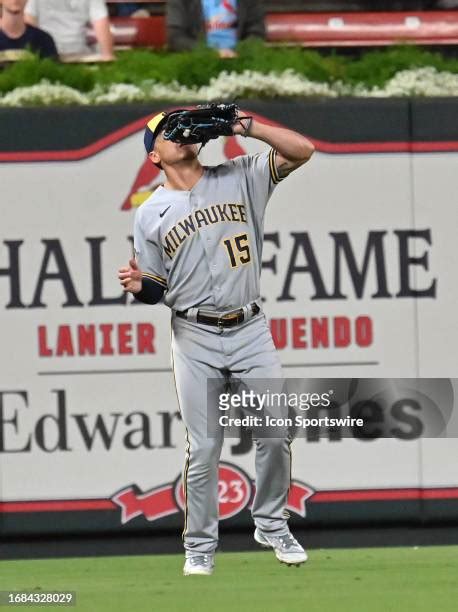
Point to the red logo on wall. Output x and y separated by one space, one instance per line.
149 176
235 493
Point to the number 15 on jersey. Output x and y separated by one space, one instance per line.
238 250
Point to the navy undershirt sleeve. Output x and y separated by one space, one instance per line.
151 292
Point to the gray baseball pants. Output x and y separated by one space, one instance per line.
247 351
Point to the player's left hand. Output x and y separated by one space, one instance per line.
131 277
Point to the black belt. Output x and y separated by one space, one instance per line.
230 319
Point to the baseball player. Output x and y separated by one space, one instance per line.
198 244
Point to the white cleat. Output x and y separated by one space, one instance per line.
287 549
199 565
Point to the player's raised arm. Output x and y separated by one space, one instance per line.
292 149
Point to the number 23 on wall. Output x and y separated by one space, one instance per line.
238 250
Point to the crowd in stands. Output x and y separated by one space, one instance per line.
222 23
17 36
66 21
55 28
59 27
43 25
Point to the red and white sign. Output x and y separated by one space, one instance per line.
235 490
359 279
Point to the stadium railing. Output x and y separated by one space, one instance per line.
313 29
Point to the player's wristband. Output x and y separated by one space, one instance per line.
246 127
151 292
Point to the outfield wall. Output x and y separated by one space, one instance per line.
358 281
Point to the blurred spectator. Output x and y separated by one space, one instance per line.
221 23
16 35
66 21
131 9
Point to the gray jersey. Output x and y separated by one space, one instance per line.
204 245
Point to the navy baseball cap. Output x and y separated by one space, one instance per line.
153 128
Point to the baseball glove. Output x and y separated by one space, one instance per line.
202 124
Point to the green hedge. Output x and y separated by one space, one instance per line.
196 68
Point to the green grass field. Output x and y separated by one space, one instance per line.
357 580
